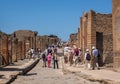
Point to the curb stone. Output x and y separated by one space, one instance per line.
90 78
23 70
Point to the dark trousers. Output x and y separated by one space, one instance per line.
44 63
56 64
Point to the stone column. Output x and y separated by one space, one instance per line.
116 32
14 48
10 49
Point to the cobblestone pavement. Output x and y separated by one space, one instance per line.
10 72
66 75
40 75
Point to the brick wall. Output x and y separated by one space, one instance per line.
72 39
4 49
116 32
44 41
96 30
103 24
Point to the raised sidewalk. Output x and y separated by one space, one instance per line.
104 76
9 73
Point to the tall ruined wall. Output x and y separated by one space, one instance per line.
115 5
103 25
78 38
4 59
26 40
25 36
44 41
72 39
116 32
14 47
96 30
23 33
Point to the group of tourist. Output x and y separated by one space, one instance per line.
32 53
49 56
91 58
74 56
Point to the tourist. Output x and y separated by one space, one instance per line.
87 59
95 58
55 60
44 59
66 54
49 59
71 57
76 54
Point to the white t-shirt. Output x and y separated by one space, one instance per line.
66 49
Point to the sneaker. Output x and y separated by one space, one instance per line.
98 68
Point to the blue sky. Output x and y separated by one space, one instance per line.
58 17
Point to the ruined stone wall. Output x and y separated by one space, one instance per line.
115 5
72 39
44 41
24 33
78 44
116 32
96 30
91 30
103 25
82 34
14 47
4 59
26 40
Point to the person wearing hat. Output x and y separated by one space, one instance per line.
87 59
95 58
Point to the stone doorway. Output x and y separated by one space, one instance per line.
99 46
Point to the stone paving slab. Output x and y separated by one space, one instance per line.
9 73
102 75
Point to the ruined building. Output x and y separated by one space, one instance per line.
96 30
44 41
25 39
73 39
13 47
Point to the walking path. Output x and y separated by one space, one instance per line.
103 75
9 73
45 75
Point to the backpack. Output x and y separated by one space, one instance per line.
88 57
76 52
43 56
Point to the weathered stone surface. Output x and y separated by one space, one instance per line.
116 32
96 30
73 39
44 41
14 47
4 60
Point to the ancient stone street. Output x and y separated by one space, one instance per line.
40 75
82 37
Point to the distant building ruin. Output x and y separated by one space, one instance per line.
13 47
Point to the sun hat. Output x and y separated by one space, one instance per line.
93 47
87 50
